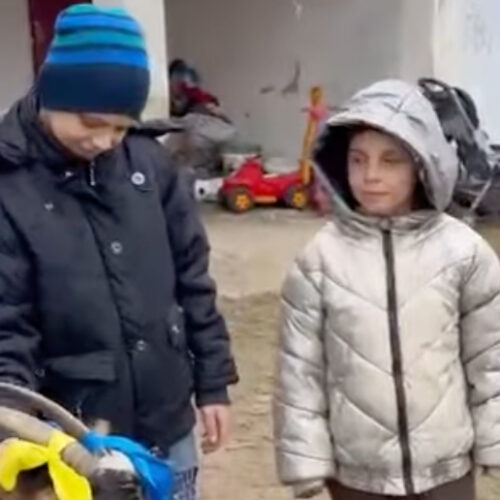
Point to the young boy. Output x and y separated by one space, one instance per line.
389 368
106 304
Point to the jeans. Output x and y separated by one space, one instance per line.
185 485
184 458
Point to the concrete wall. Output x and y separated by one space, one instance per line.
151 15
15 51
467 53
261 56
416 31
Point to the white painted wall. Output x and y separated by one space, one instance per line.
151 15
15 51
247 50
467 53
416 49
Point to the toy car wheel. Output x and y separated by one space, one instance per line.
239 200
297 197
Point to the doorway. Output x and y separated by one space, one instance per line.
43 14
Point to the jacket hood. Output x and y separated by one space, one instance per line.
401 110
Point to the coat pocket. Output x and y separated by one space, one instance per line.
72 380
98 366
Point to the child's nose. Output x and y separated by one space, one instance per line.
372 171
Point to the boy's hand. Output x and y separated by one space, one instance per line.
215 420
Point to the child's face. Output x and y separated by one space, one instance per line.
87 135
382 174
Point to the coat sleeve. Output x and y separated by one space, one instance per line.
207 335
304 450
480 335
20 338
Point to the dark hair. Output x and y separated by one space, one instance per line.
34 481
177 66
180 68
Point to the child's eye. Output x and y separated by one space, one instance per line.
90 123
393 160
356 160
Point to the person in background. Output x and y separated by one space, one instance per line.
186 94
106 303
389 363
197 148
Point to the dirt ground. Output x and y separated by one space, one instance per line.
250 256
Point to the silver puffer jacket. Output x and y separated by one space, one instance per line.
389 363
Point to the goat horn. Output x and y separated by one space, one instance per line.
68 423
31 429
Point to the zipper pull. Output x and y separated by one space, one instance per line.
92 181
385 225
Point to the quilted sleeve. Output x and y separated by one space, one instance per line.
304 450
480 330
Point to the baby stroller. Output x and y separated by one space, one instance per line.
477 192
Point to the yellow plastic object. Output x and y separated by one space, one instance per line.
17 456
317 111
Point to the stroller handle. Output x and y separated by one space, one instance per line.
433 84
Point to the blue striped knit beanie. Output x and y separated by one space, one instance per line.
97 63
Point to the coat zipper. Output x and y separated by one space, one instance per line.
91 170
397 362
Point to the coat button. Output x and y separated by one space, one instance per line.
117 248
141 346
138 178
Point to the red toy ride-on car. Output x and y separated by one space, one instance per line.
250 186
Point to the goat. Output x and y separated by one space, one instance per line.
111 475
